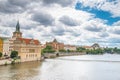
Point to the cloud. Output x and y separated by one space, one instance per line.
111 6
117 23
15 6
7 7
103 34
58 31
68 21
94 26
43 18
63 3
48 19
115 30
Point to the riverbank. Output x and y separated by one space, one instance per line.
9 61
46 55
54 55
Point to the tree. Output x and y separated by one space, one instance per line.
80 49
14 54
62 50
48 49
1 54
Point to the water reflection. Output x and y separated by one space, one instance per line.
65 68
20 71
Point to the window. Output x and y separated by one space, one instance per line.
31 50
26 56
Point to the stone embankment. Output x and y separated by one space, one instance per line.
53 55
8 61
5 61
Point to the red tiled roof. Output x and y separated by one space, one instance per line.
27 41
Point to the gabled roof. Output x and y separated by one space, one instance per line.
27 41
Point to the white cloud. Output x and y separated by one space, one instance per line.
105 5
87 31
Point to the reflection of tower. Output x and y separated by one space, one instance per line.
17 33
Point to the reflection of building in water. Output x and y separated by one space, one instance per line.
56 45
25 71
28 49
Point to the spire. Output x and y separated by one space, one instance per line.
17 27
54 40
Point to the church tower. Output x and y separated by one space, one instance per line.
17 33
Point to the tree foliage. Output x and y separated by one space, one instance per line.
48 49
81 49
14 54
95 51
1 54
62 50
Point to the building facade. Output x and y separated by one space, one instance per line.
56 45
1 45
6 46
70 47
28 49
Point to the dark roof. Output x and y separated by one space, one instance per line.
95 45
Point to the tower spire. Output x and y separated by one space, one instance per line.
18 27
17 33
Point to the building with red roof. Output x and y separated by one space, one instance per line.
28 49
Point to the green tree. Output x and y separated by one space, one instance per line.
14 54
48 49
80 49
1 54
62 50
95 51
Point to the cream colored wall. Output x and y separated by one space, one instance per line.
27 56
6 46
70 48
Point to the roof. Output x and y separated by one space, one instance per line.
69 46
27 41
95 45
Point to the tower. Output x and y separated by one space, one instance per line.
17 33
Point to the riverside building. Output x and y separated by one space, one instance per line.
28 49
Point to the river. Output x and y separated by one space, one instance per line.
83 67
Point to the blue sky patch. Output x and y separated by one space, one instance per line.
105 15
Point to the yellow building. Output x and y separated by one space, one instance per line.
1 45
28 49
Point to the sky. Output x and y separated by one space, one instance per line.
75 22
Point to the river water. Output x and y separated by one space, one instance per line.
84 67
